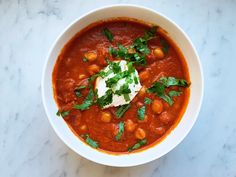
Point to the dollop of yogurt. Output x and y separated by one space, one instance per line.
133 84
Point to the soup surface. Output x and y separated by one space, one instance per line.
121 85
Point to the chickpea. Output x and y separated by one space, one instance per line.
142 91
158 53
144 120
93 69
140 133
83 127
157 106
82 76
106 117
90 56
130 125
144 75
165 117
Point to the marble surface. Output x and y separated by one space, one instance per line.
30 148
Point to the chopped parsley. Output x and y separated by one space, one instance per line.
124 89
138 145
90 141
159 88
174 93
172 81
165 46
62 113
121 110
113 80
106 32
139 45
120 131
105 99
147 100
141 112
77 90
87 102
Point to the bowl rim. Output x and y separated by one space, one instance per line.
144 159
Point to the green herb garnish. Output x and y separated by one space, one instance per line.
141 112
165 46
87 102
172 81
139 45
77 90
159 88
105 99
108 34
120 131
147 100
173 93
113 80
90 141
62 113
124 89
121 110
138 145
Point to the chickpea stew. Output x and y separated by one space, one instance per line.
121 85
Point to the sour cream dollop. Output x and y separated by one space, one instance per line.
132 81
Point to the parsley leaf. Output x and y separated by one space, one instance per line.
105 99
157 88
87 102
77 90
120 131
124 89
62 113
167 99
165 46
172 81
90 141
174 93
147 100
138 145
121 110
113 80
108 34
115 67
141 112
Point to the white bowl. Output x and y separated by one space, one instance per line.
188 119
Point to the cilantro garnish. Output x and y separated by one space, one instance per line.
120 131
159 88
105 99
77 90
87 102
147 100
141 112
121 110
108 34
62 113
138 145
90 141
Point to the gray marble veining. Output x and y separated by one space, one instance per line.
29 146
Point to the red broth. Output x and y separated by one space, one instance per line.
71 71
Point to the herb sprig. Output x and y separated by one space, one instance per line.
159 88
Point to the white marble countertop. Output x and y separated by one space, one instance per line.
30 148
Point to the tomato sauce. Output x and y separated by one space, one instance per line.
71 71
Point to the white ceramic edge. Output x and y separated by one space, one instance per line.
124 163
